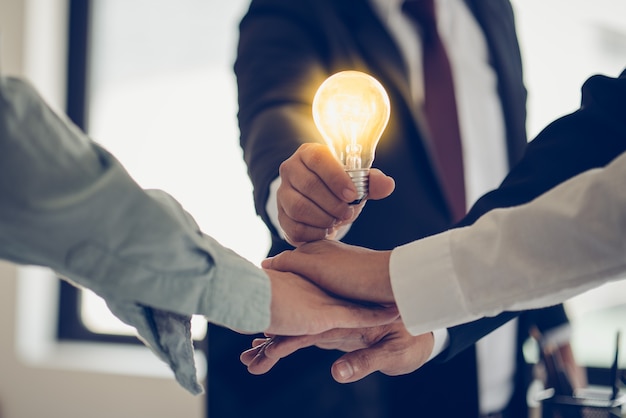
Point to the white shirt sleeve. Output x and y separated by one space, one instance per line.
563 243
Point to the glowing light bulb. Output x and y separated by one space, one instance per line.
351 110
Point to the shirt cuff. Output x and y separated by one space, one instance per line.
240 295
425 285
441 339
271 206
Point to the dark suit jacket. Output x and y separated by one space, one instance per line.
286 49
589 138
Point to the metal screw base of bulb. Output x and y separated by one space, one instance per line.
361 179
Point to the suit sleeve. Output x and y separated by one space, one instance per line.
278 71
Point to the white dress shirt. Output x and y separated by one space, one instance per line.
567 241
481 123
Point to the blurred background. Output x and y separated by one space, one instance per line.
152 81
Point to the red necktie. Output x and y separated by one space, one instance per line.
440 105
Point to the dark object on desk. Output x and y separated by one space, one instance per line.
556 376
562 402
615 368
586 404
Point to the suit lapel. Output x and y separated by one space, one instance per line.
382 55
377 47
497 22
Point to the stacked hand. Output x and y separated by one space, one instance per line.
299 307
389 349
347 298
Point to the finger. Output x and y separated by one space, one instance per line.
262 364
258 341
393 356
291 261
304 203
257 346
279 262
309 201
354 273
261 361
297 233
281 347
257 361
320 160
314 173
266 263
353 366
380 185
247 356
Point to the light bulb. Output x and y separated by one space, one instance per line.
351 110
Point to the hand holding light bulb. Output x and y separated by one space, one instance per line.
315 193
351 110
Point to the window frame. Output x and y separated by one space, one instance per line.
70 326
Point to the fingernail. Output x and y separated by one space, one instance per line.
349 195
266 263
344 369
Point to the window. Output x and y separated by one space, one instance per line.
152 81
563 43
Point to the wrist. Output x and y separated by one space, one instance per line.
382 273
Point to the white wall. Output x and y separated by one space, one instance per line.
28 391
563 43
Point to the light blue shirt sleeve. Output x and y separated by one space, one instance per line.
68 204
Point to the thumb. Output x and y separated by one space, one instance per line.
358 364
380 185
287 261
277 262
267 263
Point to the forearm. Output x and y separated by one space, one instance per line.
70 205
565 242
589 138
275 100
